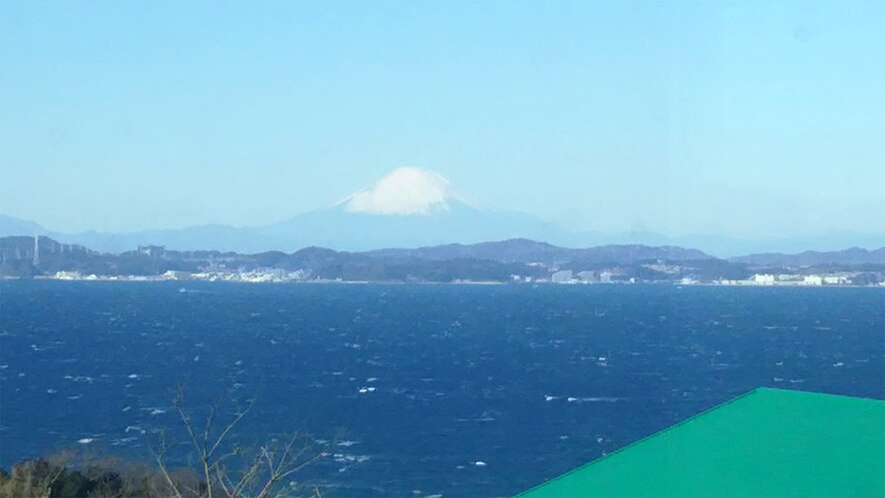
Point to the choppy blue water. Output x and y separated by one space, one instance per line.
417 383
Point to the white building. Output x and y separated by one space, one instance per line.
562 277
586 276
813 280
763 279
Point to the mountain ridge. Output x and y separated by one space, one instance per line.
851 255
522 250
412 207
320 228
517 251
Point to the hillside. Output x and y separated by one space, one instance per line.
501 261
490 261
852 256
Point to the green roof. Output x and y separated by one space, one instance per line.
767 442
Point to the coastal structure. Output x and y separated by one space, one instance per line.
562 277
813 280
763 279
768 442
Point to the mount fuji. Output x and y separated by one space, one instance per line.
410 207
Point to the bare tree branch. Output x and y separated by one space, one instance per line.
160 457
260 477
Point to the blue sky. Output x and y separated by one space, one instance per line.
734 118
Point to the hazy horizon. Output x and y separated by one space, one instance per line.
739 119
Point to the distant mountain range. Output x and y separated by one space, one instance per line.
412 208
530 251
495 261
852 256
489 261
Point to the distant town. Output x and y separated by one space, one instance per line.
517 261
275 275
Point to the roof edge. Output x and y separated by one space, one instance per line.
812 393
650 436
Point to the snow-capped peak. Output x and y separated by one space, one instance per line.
406 190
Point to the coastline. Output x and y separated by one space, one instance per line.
678 285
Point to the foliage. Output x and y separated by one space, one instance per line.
229 470
71 475
222 468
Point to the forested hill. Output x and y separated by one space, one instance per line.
531 251
852 256
502 261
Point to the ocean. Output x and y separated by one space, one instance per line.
416 390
